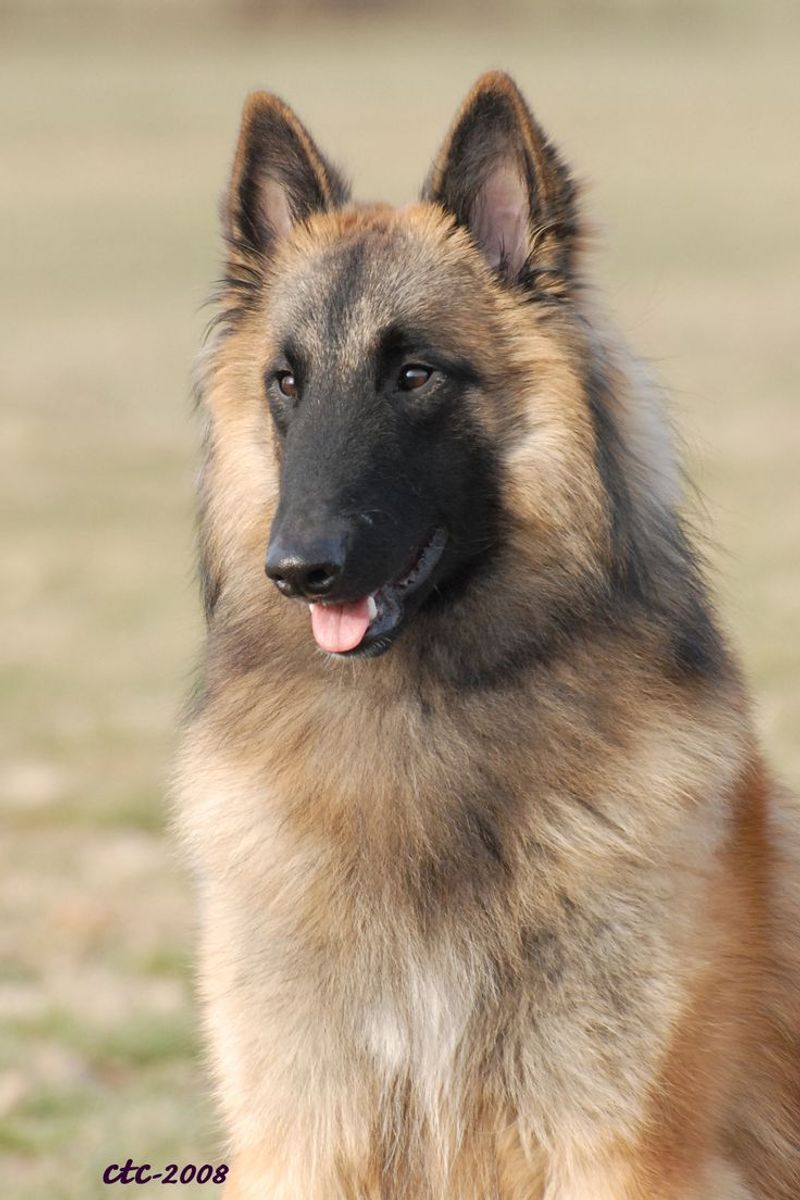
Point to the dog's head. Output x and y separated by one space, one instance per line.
406 387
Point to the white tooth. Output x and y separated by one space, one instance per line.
310 606
372 608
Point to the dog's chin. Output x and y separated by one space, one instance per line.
396 603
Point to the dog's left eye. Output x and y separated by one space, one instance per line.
413 377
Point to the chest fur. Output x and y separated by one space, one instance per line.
447 914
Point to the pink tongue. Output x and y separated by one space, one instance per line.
339 627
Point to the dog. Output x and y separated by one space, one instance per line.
498 898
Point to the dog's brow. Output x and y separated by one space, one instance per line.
397 341
292 352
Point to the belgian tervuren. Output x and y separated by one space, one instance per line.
496 891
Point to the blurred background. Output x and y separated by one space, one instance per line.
117 124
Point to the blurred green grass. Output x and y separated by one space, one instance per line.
118 126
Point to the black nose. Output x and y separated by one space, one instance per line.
306 567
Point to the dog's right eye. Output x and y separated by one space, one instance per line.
287 384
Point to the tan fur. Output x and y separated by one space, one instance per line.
616 1017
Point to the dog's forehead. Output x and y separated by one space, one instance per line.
337 294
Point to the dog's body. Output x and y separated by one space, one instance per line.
505 913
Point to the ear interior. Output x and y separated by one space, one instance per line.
501 178
279 176
276 215
499 218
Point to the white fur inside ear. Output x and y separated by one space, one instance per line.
275 206
500 218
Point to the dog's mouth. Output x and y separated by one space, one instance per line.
367 627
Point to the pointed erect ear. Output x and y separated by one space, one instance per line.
279 176
501 179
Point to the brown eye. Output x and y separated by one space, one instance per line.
288 384
413 376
